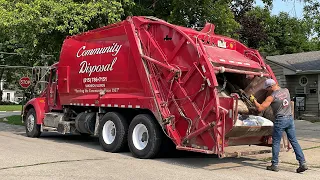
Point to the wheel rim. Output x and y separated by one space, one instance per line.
30 122
140 136
109 132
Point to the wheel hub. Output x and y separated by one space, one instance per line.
109 132
144 137
140 136
113 131
30 122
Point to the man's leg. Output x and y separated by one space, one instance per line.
291 133
276 138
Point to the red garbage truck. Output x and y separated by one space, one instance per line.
140 81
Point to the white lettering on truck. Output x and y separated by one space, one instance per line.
115 48
85 67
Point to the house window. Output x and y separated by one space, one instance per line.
303 81
8 96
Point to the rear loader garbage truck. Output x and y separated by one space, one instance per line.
135 83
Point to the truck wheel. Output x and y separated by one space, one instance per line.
113 132
144 137
32 128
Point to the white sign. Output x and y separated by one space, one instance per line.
222 44
115 48
85 66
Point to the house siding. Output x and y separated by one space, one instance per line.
287 80
278 72
312 103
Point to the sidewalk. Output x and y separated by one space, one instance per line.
9 111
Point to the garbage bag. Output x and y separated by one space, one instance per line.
251 120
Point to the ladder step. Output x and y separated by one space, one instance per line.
49 129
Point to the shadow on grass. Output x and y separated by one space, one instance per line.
15 120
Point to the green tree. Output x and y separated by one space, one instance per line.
35 29
38 27
254 25
275 34
157 8
190 13
312 16
289 35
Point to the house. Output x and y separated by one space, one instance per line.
8 95
300 73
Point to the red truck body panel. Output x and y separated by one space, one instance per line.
170 70
103 60
39 104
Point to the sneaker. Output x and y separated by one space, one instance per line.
273 168
302 168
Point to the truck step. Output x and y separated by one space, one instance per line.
64 127
49 129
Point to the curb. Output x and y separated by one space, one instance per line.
9 111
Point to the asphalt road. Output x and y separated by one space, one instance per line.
54 156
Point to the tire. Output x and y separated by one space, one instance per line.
144 137
113 132
85 123
32 128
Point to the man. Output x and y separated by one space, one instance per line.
279 100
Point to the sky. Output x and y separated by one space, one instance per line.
294 9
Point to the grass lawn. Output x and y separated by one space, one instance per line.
15 119
10 107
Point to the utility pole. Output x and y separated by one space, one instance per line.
43 72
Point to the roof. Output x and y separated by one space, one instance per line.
306 61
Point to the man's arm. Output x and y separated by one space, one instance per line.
264 105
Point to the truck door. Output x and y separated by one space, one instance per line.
52 91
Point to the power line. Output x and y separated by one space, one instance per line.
8 53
